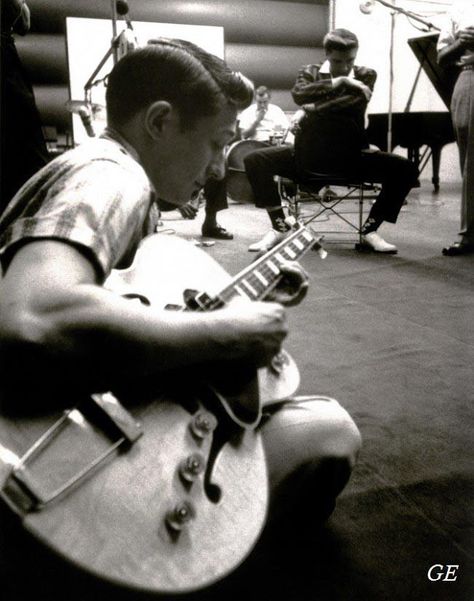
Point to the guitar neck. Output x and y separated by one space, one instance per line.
258 279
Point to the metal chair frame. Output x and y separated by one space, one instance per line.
356 190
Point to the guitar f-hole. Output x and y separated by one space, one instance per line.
139 297
221 437
213 491
224 433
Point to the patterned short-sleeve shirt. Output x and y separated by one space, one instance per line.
96 197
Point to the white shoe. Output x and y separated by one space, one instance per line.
271 239
375 242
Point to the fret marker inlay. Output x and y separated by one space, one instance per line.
273 267
250 288
299 245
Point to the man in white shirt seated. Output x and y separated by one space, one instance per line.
262 120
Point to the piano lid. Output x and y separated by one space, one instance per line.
443 79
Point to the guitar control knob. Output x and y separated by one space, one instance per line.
203 424
191 467
279 362
180 515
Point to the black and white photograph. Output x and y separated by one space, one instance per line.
237 300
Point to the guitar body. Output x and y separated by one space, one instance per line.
126 522
113 524
192 268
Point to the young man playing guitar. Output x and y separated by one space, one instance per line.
171 111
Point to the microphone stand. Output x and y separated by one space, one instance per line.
407 13
113 6
113 50
394 10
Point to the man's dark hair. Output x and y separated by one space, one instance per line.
340 39
194 81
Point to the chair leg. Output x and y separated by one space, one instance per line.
291 198
293 203
359 244
329 206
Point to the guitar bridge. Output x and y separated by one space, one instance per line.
98 427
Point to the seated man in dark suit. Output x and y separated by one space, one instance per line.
331 139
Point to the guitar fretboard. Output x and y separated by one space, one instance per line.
259 278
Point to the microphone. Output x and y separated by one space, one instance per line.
86 119
126 43
367 6
127 40
122 7
122 10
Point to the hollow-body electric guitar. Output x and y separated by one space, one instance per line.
163 496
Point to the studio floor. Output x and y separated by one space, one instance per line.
390 337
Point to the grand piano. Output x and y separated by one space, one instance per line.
423 134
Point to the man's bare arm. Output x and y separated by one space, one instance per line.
52 308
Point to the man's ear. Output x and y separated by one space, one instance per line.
158 117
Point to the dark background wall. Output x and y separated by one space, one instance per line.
265 39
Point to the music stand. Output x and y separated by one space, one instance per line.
365 8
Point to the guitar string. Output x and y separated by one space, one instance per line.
296 248
268 273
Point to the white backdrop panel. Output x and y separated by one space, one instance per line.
88 41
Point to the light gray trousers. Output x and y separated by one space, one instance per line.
462 111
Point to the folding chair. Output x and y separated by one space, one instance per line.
308 189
